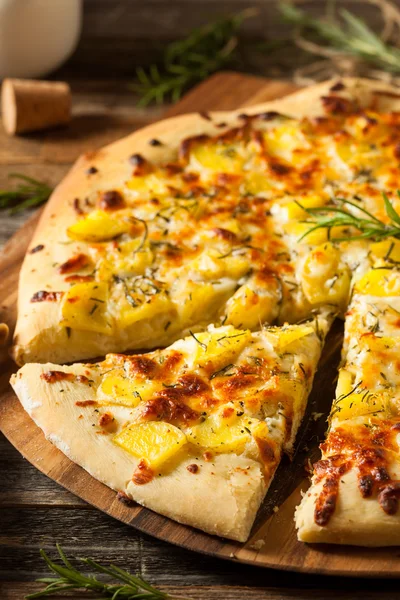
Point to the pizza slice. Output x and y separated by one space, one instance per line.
195 431
355 488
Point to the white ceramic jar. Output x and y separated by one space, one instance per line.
37 36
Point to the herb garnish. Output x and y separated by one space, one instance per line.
129 587
94 308
27 194
145 235
223 372
204 346
142 288
368 226
186 62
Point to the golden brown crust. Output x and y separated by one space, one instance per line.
354 494
356 520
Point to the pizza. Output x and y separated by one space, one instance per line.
354 494
195 431
221 247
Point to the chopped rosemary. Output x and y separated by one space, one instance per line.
258 361
222 372
94 308
145 235
204 346
120 584
368 226
230 337
302 369
131 300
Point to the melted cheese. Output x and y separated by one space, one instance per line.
221 229
181 398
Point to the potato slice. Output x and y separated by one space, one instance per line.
84 307
155 442
99 226
227 430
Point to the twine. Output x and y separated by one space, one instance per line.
337 63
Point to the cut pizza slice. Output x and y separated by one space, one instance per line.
194 431
355 488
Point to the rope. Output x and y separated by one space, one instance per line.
338 63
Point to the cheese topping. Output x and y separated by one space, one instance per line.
219 391
214 234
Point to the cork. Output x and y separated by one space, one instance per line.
32 105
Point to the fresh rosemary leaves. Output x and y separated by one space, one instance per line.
203 52
351 36
129 587
28 193
363 225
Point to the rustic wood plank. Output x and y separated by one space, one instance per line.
21 485
222 91
106 540
13 591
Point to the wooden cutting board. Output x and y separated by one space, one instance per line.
273 541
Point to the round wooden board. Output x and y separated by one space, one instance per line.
273 541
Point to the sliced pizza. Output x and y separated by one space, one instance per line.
195 431
240 223
355 489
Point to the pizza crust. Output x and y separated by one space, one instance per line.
222 498
38 334
356 521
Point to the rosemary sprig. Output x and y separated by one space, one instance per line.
368 226
353 37
186 62
129 587
27 194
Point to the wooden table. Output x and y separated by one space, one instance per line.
35 512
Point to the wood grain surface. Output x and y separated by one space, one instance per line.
34 510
